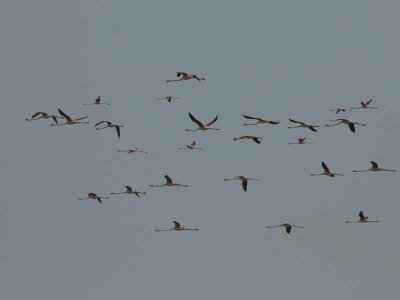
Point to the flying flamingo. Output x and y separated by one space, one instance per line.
259 121
303 125
185 76
192 146
327 172
348 122
256 139
129 190
168 98
374 168
301 141
177 227
365 105
132 150
110 125
70 121
168 182
288 227
93 196
43 115
363 219
201 125
97 102
244 180
339 110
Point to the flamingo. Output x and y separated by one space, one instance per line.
169 182
201 125
363 219
129 190
69 120
177 227
244 180
365 105
185 76
339 110
259 121
168 98
374 168
97 102
327 172
93 196
132 150
351 124
192 146
303 125
301 141
256 139
110 125
43 115
288 227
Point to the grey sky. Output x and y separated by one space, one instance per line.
279 60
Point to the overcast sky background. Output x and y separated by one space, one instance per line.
275 59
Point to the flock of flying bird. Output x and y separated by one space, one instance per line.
182 76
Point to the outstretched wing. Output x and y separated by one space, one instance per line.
118 131
128 188
213 121
55 119
255 139
325 167
195 120
64 115
361 215
352 127
312 128
101 122
169 180
374 165
98 100
368 102
293 121
250 118
244 185
177 225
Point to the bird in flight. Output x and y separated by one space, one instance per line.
300 141
365 105
168 98
129 190
288 227
43 115
177 227
259 121
244 180
132 150
192 146
93 196
202 126
339 110
375 168
186 76
256 139
97 102
303 125
109 125
349 123
362 219
168 182
69 120
327 172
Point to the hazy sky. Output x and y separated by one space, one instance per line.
272 59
